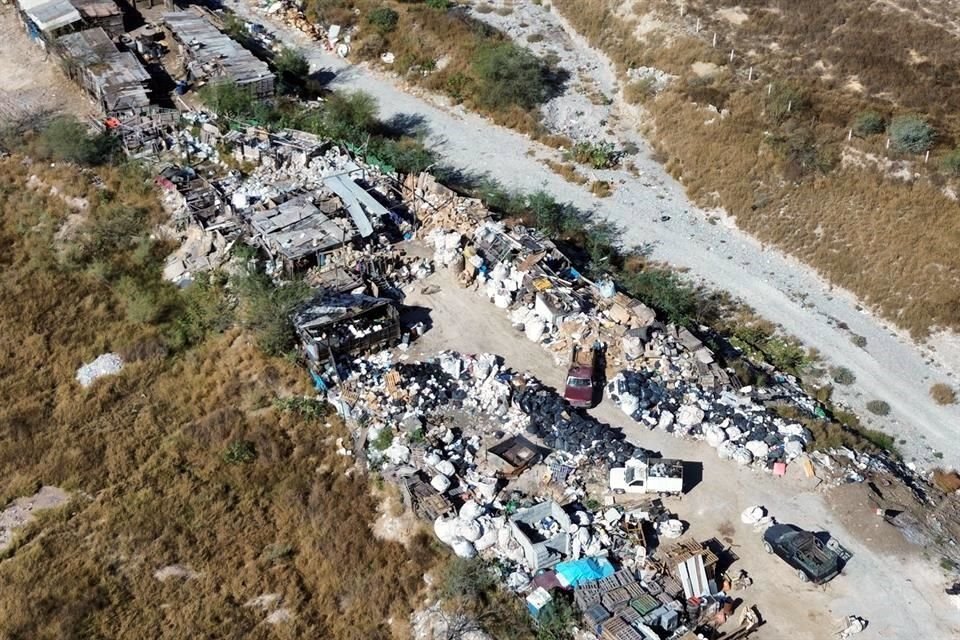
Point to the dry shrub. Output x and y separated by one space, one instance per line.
943 394
890 241
948 481
567 170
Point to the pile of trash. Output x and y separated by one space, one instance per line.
107 364
574 432
739 428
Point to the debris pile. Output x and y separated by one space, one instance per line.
107 364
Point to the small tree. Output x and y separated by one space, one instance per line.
868 123
383 19
66 139
509 76
911 134
349 116
292 66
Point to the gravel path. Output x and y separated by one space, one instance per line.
891 367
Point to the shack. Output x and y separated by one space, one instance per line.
335 325
44 20
115 79
301 233
209 55
543 532
101 13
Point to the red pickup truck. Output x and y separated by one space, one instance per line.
582 376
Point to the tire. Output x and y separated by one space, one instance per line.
803 577
767 547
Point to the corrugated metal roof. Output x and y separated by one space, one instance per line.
216 53
52 14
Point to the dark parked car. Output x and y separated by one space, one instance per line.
803 551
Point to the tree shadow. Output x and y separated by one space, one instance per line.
413 125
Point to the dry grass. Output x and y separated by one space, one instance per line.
147 447
948 481
943 394
892 241
567 170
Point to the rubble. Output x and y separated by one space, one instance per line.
107 364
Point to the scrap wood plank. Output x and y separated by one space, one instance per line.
393 381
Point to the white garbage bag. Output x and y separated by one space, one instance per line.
440 483
742 456
446 468
464 548
758 448
714 435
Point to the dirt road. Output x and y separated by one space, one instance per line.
898 591
33 85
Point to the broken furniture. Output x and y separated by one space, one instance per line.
513 456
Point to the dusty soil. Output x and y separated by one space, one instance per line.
33 85
21 511
891 367
888 581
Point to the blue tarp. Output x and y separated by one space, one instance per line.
576 572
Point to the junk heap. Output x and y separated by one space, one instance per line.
662 376
499 464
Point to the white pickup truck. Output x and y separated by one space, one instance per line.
654 475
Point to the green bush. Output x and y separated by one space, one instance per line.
509 76
228 99
784 101
65 139
383 440
951 163
858 340
309 408
868 123
292 67
266 308
878 407
911 134
842 375
599 155
350 115
665 292
440 5
384 19
240 452
203 310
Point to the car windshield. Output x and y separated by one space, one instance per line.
578 382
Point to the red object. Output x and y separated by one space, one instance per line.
779 468
112 123
581 382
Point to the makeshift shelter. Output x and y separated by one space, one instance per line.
542 531
209 55
333 325
114 79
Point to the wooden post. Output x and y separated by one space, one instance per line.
698 25
789 105
750 75
731 55
850 135
926 157
769 88
888 143
714 39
